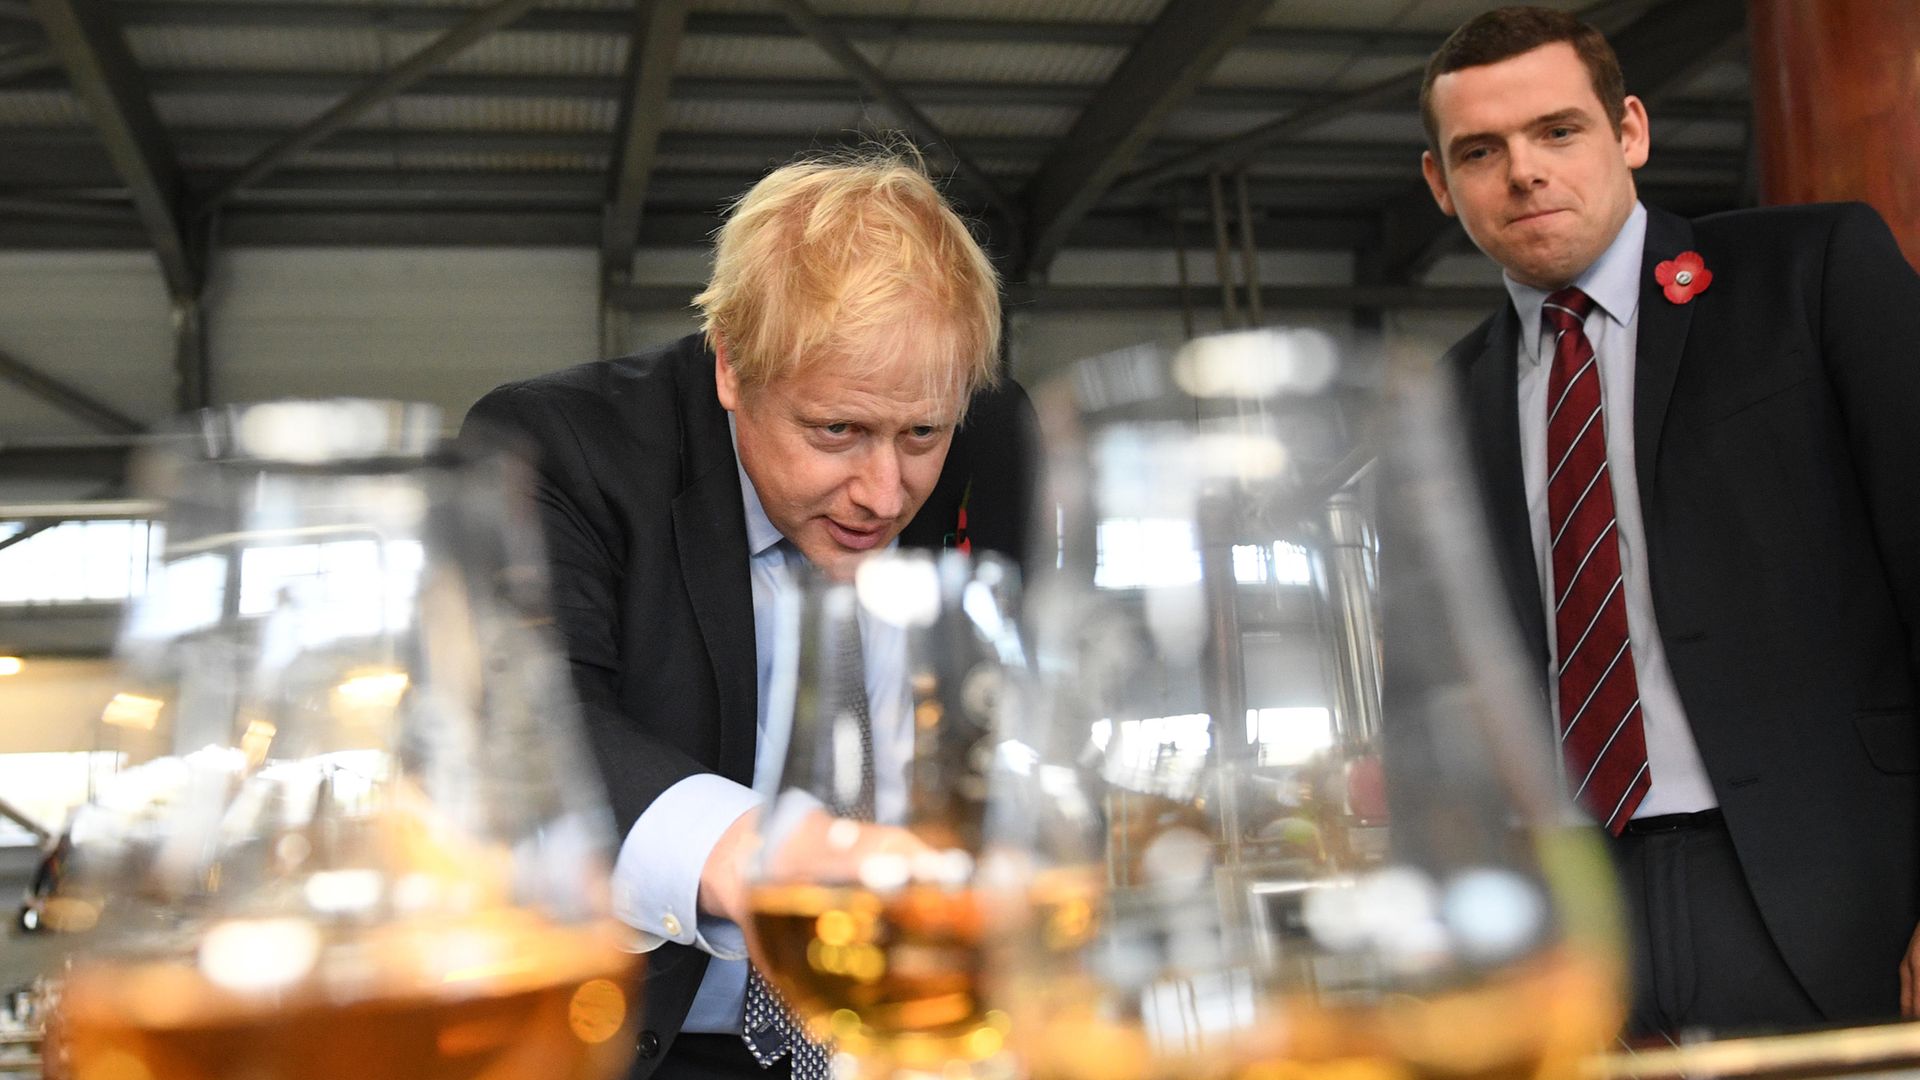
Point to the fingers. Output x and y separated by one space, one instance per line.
723 889
824 848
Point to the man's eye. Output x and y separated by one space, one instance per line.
1560 133
840 428
923 431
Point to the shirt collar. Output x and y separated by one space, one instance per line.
1613 281
761 535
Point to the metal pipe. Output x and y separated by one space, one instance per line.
89 510
1249 258
1222 253
1349 596
1224 661
22 819
1180 265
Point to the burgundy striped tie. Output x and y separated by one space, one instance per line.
1601 735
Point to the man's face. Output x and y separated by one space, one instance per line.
1530 165
841 463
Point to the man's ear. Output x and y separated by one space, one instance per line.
1636 133
725 383
1436 182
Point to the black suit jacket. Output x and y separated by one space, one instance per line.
1777 443
639 497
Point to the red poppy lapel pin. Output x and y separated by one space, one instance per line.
958 538
1684 277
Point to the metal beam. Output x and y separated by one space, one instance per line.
1007 151
1414 235
1669 45
658 26
1261 99
102 71
1335 40
68 399
1392 91
41 834
1298 230
1180 49
101 509
836 45
642 298
1388 160
409 71
56 461
192 367
1239 149
26 58
66 210
1295 215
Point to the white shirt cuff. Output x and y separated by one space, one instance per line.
656 879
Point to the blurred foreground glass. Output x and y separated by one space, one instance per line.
1285 803
874 932
356 833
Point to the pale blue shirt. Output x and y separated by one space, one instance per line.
1680 782
656 879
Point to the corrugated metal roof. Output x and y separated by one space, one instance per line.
1442 16
522 52
1729 135
1005 79
259 111
756 57
1377 14
999 62
505 162
740 117
962 121
1400 128
1072 11
277 49
43 109
1722 79
503 114
824 7
1281 68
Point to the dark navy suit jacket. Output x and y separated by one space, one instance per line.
639 498
1777 441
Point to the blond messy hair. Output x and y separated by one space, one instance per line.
858 260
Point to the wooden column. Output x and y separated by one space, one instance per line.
1836 98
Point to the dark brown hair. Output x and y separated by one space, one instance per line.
1509 31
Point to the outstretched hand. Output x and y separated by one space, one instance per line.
819 847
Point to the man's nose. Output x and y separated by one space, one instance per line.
876 484
1525 168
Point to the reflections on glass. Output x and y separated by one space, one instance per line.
1280 801
356 833
865 912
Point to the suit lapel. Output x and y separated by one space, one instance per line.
710 533
1658 348
1493 392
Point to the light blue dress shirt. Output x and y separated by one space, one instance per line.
656 879
1680 782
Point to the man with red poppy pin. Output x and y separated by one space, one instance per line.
1747 389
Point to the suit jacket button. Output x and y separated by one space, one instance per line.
649 1045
